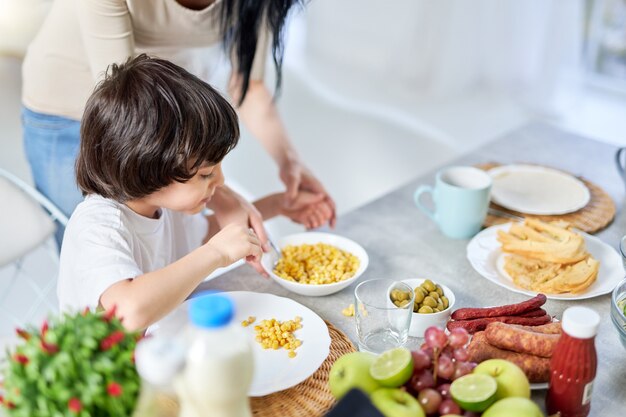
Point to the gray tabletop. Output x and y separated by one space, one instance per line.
403 243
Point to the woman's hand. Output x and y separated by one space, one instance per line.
297 177
311 210
230 207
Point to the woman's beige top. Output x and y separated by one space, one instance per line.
80 38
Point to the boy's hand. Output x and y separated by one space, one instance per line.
311 210
235 242
230 207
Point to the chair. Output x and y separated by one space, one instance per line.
29 257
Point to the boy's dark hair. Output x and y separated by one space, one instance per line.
148 124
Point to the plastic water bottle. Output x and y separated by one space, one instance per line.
158 360
219 363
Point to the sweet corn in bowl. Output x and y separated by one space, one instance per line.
316 264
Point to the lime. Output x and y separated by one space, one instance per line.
474 392
392 368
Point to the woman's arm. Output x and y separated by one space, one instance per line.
147 298
261 117
107 33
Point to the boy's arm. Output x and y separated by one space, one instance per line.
149 297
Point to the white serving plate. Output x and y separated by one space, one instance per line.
537 190
486 257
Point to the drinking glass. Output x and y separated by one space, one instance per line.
380 324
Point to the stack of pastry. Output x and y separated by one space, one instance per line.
548 257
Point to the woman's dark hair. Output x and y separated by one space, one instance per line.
148 124
241 25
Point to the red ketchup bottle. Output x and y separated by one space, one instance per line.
573 365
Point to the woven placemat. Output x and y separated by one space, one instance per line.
312 397
592 218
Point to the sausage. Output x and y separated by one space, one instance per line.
475 325
506 336
550 328
537 369
533 313
507 310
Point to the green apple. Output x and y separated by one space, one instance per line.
394 402
352 371
513 406
512 381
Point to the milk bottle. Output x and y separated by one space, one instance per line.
219 364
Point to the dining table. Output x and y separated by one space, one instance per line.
403 243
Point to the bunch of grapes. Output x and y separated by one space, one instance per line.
441 359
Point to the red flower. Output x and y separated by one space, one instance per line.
108 316
114 389
49 348
44 328
22 333
112 340
21 358
74 405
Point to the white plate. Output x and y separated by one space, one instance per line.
484 254
537 190
273 370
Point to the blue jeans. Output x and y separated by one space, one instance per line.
51 144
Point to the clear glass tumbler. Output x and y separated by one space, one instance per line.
380 324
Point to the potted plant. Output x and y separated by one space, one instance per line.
76 365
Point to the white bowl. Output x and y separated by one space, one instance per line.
310 238
420 321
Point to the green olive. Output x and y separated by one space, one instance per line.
436 310
434 295
429 301
394 295
439 290
403 303
419 296
445 301
425 310
429 285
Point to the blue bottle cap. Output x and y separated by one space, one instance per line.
210 311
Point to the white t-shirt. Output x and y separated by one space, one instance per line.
106 242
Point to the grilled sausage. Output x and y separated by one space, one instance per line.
537 369
506 336
476 325
507 310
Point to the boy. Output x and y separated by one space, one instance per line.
152 140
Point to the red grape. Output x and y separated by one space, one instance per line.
428 351
448 406
435 337
444 390
445 367
460 354
448 350
430 400
421 380
462 368
421 360
458 337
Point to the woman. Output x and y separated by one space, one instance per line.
80 39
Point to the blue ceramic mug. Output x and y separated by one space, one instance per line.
461 197
619 157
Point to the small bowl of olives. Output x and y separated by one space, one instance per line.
432 305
